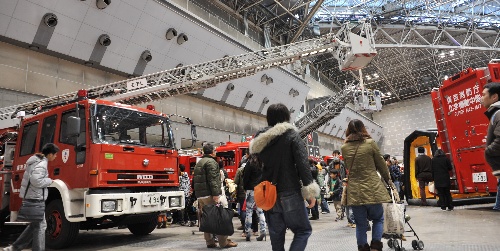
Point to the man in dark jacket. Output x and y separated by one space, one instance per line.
281 150
423 173
490 100
207 186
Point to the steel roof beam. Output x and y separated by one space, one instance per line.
306 21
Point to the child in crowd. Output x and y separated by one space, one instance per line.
335 186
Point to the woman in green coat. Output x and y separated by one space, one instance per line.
366 192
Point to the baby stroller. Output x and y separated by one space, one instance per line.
395 220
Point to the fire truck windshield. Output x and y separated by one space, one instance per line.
115 125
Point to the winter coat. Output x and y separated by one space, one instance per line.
281 147
336 189
365 186
37 175
395 172
441 167
492 151
207 178
252 175
423 168
238 180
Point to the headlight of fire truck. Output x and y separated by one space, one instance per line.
174 201
108 206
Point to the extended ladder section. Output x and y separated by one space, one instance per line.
182 80
324 112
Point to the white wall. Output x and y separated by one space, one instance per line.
402 118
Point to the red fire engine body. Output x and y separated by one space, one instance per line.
116 167
461 133
231 154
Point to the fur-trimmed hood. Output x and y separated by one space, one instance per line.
263 139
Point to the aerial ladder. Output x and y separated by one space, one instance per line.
352 47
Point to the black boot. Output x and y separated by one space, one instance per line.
376 246
365 247
261 237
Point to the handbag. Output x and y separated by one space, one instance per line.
265 193
217 220
394 219
31 210
432 188
343 200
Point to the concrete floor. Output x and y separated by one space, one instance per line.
473 227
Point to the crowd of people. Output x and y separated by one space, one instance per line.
304 187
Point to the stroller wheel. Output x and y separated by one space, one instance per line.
414 244
389 243
420 245
395 244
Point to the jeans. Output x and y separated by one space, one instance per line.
349 215
249 212
35 232
497 202
289 212
324 205
397 185
362 214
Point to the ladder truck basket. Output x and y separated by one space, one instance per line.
494 68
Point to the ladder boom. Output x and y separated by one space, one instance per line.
324 112
191 78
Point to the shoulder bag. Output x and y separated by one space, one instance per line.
343 200
265 193
31 210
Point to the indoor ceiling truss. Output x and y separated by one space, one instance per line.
419 42
412 60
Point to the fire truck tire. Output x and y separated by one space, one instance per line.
145 227
60 232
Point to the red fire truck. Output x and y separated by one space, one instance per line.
461 133
116 167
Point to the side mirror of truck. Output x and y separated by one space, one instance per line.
73 127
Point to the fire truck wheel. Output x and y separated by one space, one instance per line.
60 232
145 227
